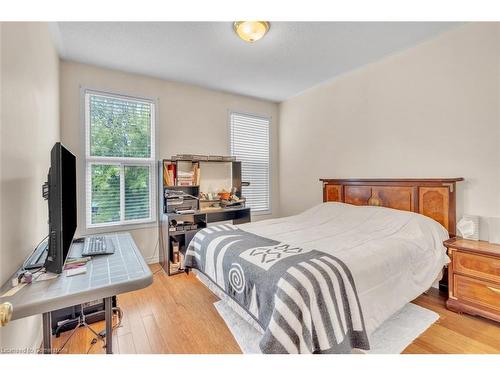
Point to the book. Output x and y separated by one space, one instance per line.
200 157
215 158
196 174
183 174
169 174
166 179
184 157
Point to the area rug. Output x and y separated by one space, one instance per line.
391 338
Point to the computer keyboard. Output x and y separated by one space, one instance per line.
98 245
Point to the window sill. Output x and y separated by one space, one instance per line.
261 213
118 228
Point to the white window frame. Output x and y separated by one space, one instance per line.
122 162
269 211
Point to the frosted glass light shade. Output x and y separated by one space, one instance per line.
251 31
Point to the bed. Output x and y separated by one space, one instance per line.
322 281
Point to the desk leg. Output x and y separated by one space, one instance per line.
108 314
47 333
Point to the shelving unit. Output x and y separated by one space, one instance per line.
201 217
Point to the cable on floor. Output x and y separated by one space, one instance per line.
119 313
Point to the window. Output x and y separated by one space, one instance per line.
120 159
250 145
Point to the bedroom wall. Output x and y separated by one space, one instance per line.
429 111
191 120
29 129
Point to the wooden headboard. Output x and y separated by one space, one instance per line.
432 197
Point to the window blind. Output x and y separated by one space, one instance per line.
119 160
119 127
250 145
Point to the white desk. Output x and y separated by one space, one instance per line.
106 276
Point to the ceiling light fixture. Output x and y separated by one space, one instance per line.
251 31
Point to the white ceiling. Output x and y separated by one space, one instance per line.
293 57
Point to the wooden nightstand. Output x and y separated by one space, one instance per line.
474 277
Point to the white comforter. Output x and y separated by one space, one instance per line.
394 255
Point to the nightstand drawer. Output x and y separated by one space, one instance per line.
476 291
477 265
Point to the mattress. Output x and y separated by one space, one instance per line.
394 256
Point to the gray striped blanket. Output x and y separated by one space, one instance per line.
305 300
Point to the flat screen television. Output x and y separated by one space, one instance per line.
61 194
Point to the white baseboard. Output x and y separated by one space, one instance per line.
152 260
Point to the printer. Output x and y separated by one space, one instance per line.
178 201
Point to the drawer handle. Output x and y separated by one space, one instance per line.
496 290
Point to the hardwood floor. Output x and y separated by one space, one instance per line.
455 333
176 315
